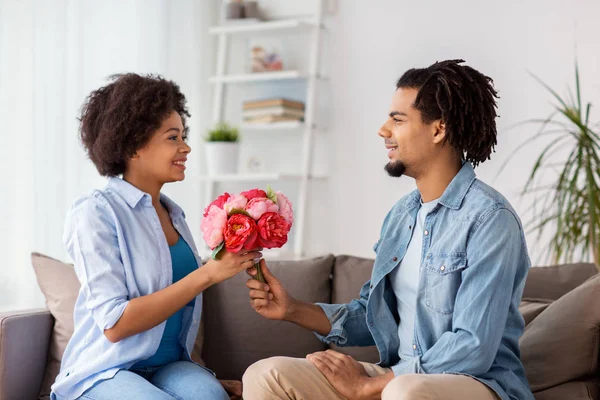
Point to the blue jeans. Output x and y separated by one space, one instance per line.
181 380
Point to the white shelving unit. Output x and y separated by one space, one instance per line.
275 126
225 33
262 27
258 177
257 77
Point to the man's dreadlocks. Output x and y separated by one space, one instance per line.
463 99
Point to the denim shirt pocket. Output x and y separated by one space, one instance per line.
442 280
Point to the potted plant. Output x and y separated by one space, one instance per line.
570 206
221 149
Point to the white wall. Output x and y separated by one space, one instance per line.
60 52
52 54
373 43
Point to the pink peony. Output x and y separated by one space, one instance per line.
219 202
272 230
260 205
254 193
213 224
285 208
240 232
237 201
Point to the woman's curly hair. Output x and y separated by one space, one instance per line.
119 119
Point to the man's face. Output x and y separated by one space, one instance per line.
408 139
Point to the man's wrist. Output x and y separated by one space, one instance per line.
367 390
372 387
292 312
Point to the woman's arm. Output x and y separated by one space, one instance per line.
91 239
146 312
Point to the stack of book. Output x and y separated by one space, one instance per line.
272 110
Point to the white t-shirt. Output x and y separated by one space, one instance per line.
405 283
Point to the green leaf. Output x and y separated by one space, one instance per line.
216 252
577 87
548 88
238 211
569 207
271 194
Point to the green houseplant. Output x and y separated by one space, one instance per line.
570 206
223 132
222 149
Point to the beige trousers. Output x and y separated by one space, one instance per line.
297 379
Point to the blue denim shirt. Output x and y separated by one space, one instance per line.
473 268
120 252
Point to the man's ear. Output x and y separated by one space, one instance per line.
439 132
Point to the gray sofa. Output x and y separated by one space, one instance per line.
560 347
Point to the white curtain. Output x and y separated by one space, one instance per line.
52 54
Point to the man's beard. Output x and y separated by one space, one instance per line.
395 168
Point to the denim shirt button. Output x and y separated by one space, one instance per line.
414 346
371 286
395 259
442 268
426 233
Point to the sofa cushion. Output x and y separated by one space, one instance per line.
349 275
235 336
588 390
531 308
24 344
555 281
60 287
561 344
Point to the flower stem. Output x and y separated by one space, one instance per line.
259 276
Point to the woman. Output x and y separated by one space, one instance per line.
138 310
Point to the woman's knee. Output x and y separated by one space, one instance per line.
406 387
187 380
212 390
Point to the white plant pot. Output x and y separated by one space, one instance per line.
221 158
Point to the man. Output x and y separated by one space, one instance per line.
441 305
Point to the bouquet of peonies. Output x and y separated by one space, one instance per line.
247 221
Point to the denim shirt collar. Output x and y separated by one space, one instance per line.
454 194
457 189
132 196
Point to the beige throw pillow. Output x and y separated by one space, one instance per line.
60 286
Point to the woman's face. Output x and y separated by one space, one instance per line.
164 157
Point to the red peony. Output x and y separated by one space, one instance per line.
219 202
272 230
251 194
240 232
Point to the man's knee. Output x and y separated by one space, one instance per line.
406 387
265 371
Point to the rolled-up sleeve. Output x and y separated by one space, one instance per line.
348 322
90 238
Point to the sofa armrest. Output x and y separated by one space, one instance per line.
24 340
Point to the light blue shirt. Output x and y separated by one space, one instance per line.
120 252
405 283
473 269
170 349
